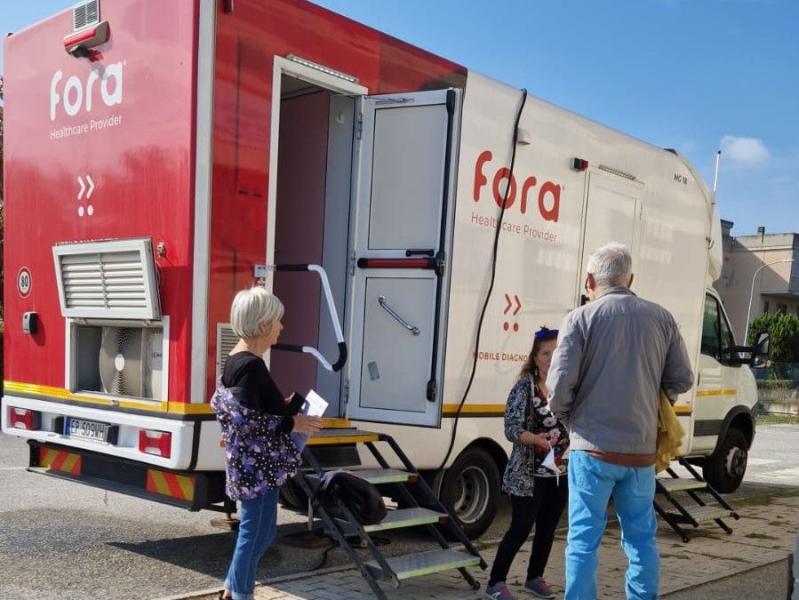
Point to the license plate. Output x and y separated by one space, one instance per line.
87 430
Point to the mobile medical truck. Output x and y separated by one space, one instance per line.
160 156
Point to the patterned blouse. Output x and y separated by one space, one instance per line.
527 411
259 455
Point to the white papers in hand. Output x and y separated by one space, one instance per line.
316 404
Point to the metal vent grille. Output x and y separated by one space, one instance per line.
85 14
225 340
107 280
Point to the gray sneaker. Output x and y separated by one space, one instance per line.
498 591
539 588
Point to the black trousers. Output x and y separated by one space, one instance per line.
544 508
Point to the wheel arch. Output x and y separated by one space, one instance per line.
741 418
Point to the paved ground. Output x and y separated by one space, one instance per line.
775 455
750 562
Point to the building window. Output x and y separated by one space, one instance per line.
782 309
765 307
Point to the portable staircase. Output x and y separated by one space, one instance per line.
412 491
687 507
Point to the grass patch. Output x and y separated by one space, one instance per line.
766 419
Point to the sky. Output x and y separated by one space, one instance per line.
695 75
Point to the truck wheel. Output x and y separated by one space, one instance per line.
293 497
470 491
724 469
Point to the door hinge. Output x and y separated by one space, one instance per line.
260 273
345 392
432 390
441 263
352 263
359 126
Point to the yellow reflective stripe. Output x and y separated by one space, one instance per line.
160 482
48 457
345 439
70 462
475 408
186 486
683 410
180 408
716 392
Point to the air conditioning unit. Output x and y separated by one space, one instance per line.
119 360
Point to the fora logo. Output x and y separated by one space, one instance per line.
76 94
548 193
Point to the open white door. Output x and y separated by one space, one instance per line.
403 214
612 214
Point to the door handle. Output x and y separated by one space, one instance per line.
382 302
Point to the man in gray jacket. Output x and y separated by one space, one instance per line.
614 355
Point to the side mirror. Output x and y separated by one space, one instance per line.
760 351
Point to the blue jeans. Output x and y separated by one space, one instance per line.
591 484
257 529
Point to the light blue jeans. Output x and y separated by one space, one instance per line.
591 484
257 529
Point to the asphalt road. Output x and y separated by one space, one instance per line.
62 540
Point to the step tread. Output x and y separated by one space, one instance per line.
406 517
706 513
425 563
672 484
378 476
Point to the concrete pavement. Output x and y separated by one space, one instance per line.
712 565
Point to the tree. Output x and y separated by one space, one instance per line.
783 331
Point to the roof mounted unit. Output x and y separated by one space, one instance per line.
88 30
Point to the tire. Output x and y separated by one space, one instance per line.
293 497
724 470
471 490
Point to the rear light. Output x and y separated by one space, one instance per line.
154 442
23 418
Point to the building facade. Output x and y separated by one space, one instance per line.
763 267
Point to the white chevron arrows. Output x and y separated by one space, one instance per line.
83 187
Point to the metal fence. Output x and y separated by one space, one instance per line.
778 388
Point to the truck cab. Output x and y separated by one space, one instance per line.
723 420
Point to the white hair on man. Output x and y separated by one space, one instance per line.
252 307
611 265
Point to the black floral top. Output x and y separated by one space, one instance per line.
259 454
526 410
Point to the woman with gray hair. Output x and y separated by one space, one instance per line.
256 425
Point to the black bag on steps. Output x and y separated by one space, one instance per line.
361 497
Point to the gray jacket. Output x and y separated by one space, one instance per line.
613 357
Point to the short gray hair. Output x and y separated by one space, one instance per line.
611 265
251 308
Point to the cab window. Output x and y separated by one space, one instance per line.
717 339
711 336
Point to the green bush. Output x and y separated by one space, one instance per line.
775 384
783 330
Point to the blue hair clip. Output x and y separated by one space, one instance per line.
546 334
